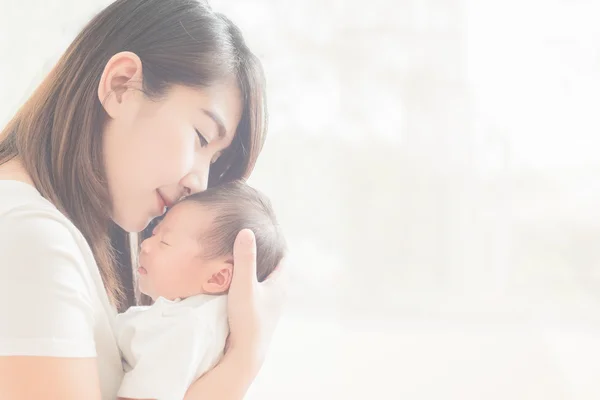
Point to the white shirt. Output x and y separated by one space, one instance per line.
168 345
52 299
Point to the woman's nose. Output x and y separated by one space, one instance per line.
195 182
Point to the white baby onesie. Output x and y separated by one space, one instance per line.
168 345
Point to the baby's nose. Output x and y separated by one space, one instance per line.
145 246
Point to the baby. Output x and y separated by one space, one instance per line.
186 268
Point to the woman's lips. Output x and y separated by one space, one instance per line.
166 200
163 203
142 271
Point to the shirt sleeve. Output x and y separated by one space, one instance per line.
45 306
168 362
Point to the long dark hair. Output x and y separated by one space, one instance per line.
57 133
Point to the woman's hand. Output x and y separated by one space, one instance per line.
253 308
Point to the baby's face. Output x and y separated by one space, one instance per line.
171 263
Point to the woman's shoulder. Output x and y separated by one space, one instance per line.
31 227
18 199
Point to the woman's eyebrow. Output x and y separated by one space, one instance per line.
218 121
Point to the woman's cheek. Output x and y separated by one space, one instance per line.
177 158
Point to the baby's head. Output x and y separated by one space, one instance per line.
190 251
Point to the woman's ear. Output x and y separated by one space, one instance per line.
122 73
219 281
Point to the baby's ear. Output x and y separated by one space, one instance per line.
220 280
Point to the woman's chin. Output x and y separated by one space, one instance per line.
132 224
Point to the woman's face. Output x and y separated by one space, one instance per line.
157 151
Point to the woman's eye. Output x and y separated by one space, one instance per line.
165 243
203 141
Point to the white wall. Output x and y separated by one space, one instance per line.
434 163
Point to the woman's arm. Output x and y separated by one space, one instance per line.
49 378
253 310
47 346
229 380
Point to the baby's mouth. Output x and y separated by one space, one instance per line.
141 270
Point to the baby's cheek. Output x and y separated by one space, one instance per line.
169 284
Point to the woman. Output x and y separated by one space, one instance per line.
154 100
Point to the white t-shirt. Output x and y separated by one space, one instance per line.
168 345
52 300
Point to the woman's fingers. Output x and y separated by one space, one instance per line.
253 308
244 260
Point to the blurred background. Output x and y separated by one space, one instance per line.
436 166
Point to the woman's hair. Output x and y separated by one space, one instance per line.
58 132
235 206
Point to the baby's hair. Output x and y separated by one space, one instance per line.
237 206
